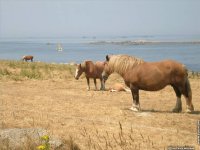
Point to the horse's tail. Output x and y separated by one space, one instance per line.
190 107
188 93
188 89
184 69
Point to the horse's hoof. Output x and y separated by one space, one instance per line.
102 89
189 110
134 109
177 110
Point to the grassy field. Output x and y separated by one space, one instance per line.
47 96
18 70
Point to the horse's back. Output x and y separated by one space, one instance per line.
94 70
100 66
173 67
165 65
89 67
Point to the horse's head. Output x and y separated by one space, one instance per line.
107 70
23 58
79 71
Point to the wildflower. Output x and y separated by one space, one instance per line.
45 138
41 147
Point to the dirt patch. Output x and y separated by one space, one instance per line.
99 119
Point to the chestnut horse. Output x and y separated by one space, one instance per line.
28 57
91 71
150 76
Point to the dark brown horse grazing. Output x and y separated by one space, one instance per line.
28 57
150 76
91 71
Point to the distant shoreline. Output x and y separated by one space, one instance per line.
144 42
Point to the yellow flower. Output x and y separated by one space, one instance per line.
41 147
45 137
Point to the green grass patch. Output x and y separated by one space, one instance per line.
19 70
31 73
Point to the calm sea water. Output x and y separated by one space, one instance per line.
80 49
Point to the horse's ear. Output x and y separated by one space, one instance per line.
107 58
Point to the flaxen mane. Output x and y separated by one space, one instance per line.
88 66
83 65
122 63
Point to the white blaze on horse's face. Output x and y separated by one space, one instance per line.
23 57
78 72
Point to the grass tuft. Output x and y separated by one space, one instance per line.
4 72
122 139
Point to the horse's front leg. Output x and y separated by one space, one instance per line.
102 84
88 83
135 96
95 83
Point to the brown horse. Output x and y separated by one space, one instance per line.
28 57
150 76
91 71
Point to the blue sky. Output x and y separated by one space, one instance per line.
65 18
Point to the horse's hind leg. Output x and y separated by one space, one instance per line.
95 83
187 92
135 96
178 107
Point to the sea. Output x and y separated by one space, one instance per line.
183 48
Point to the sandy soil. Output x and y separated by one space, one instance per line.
65 108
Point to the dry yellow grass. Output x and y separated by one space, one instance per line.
97 119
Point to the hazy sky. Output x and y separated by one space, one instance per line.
63 18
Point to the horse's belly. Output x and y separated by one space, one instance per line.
94 76
153 85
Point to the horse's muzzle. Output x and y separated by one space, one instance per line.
76 77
